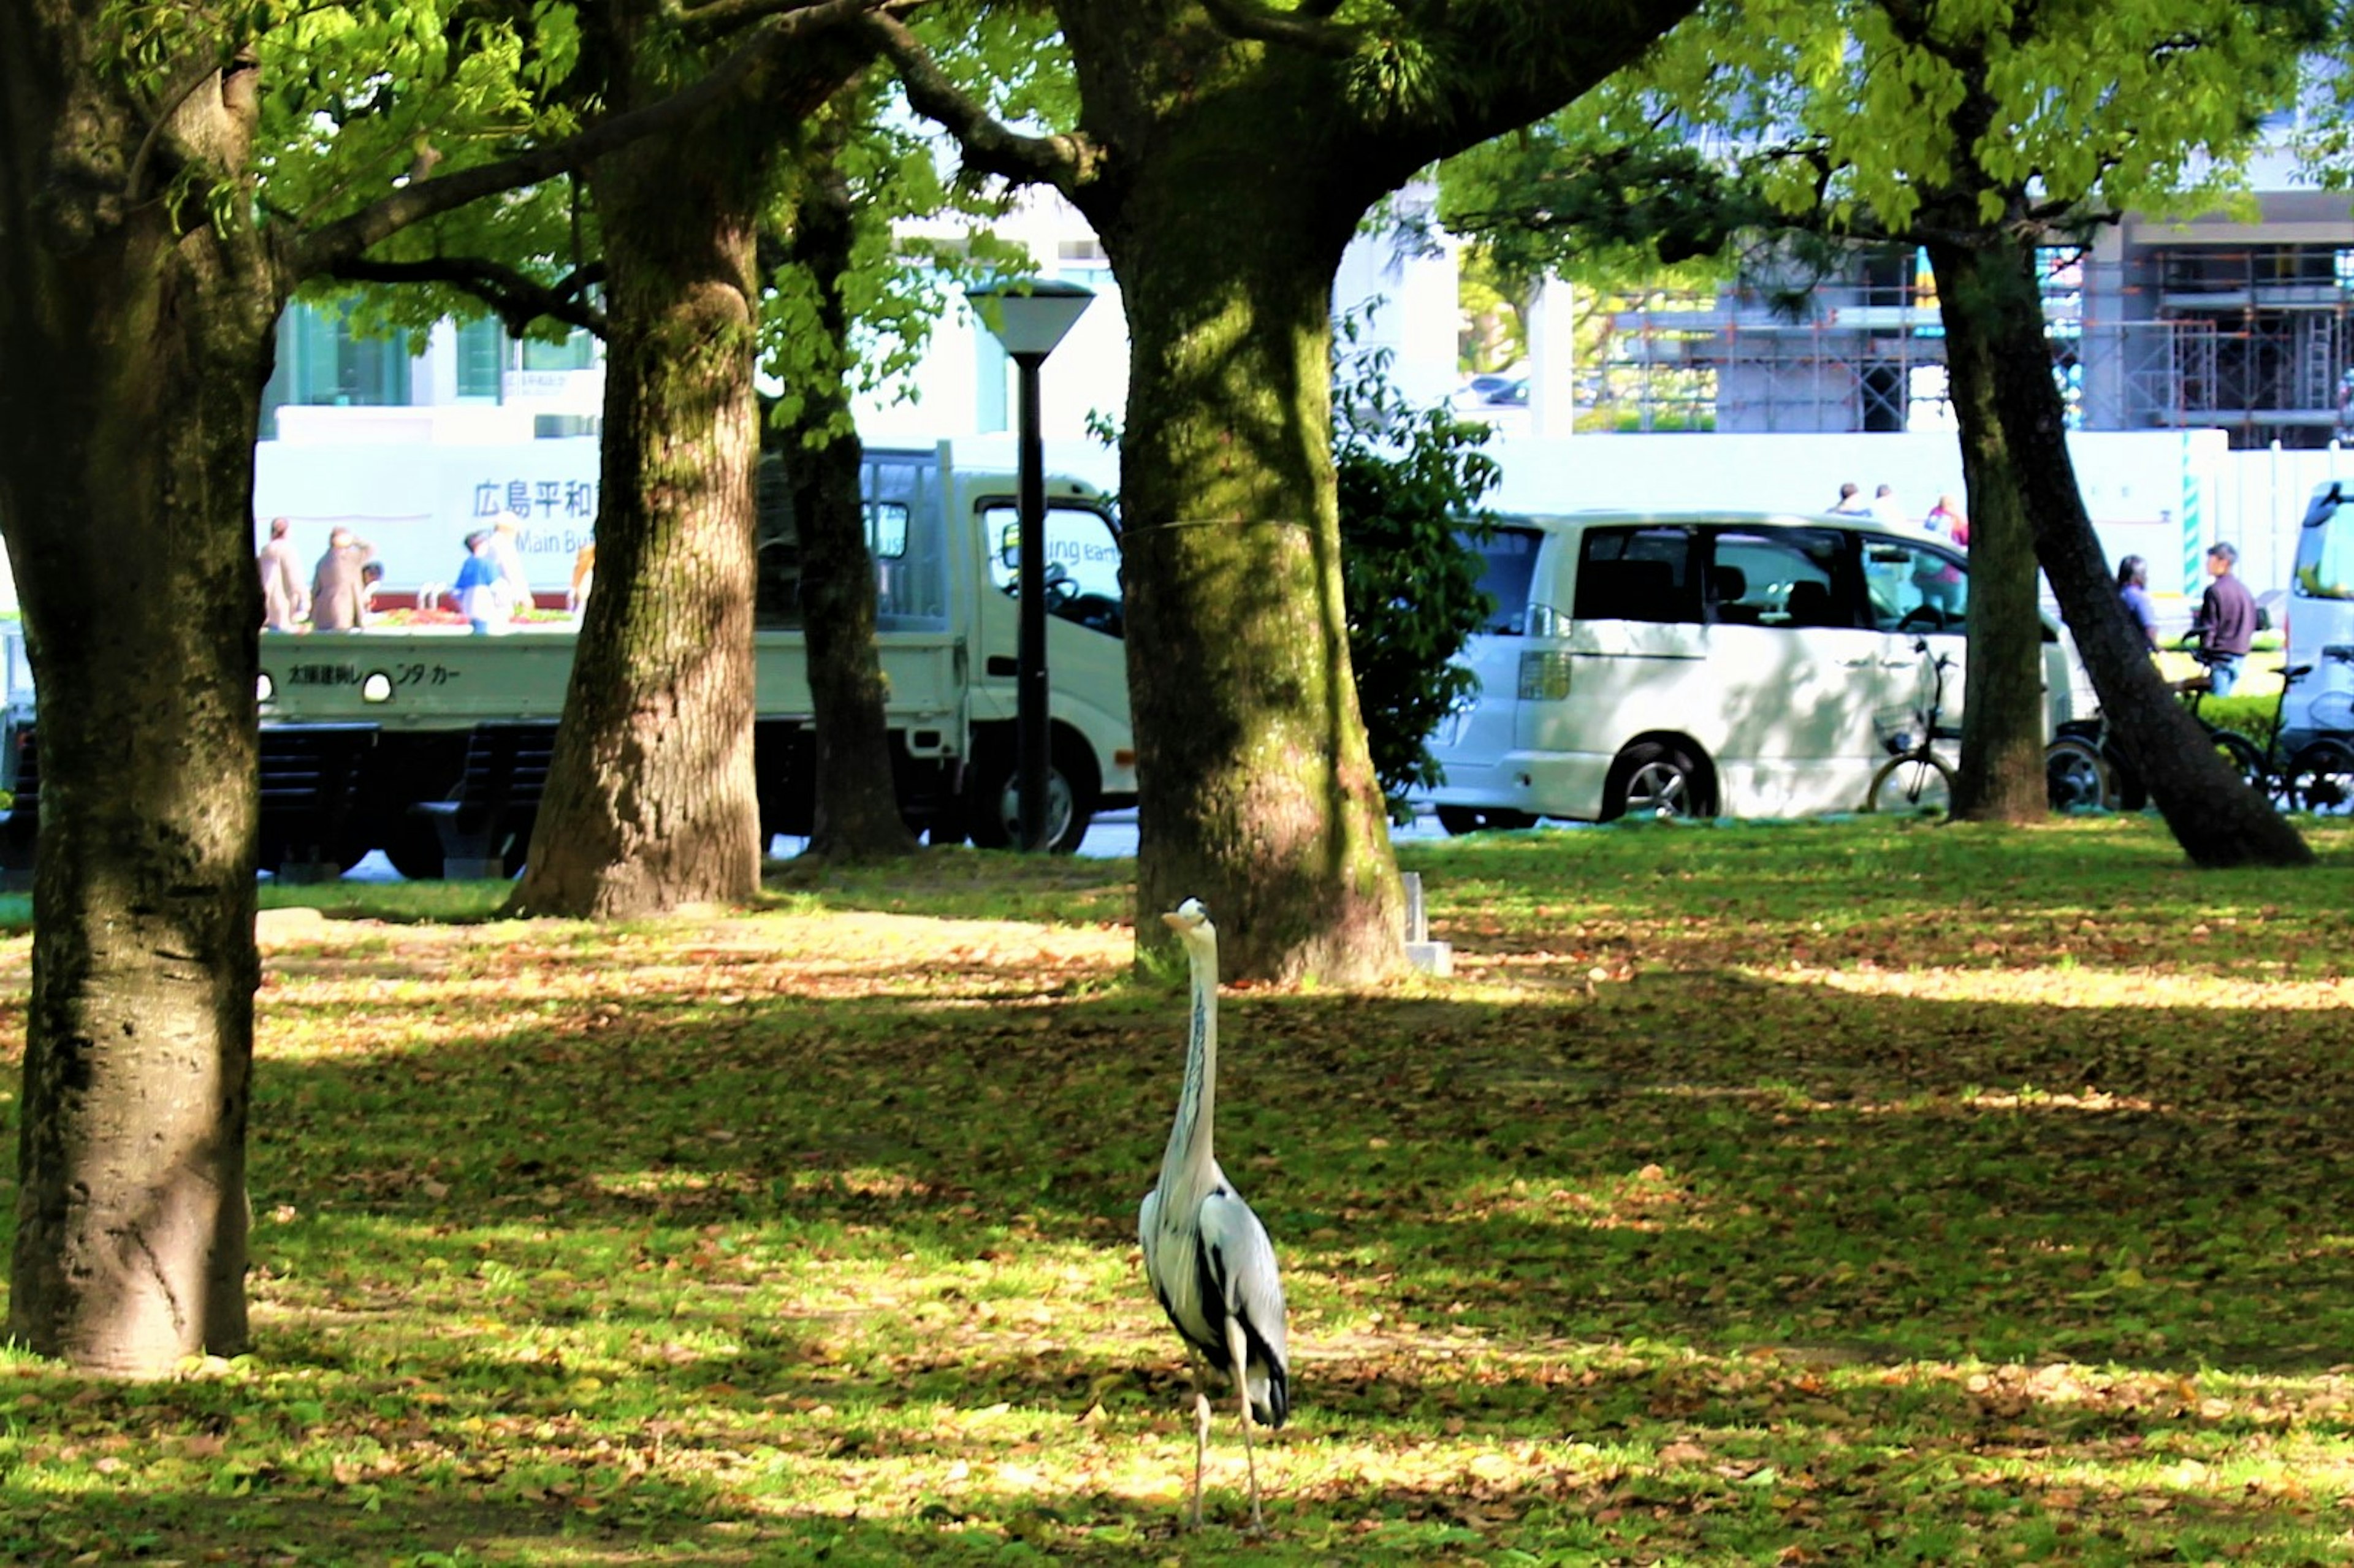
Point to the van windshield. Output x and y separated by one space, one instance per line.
2324 551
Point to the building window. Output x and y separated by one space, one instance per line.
481 359
320 361
577 352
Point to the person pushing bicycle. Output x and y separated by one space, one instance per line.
2226 627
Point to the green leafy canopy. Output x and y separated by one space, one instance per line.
1410 482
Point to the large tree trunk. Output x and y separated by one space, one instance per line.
651 800
1256 791
2214 816
1227 154
857 802
136 340
2003 713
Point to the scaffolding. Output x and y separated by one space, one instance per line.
2257 342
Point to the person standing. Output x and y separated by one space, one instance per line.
338 592
2133 587
284 600
1886 508
1947 520
584 577
2226 628
482 592
507 559
1850 501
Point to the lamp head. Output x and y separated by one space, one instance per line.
1030 316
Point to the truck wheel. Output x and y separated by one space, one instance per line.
948 823
414 851
993 801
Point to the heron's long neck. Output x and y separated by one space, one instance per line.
1188 1141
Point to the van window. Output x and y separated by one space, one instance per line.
1637 574
1782 576
2325 552
1914 587
1507 561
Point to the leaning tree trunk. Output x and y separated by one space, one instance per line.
2214 816
651 800
1256 788
2003 708
857 801
136 340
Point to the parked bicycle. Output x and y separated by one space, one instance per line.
2082 767
1915 778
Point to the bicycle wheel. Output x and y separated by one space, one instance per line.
1913 782
2076 777
2321 778
2247 759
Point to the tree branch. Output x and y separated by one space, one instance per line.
1306 28
1066 163
352 235
714 18
516 299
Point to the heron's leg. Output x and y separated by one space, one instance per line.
1201 1427
1236 1352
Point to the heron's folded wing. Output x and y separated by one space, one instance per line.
1242 1263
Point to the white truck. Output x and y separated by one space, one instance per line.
372 738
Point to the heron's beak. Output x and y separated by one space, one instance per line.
1173 920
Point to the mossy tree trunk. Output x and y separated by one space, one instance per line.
857 808
1257 790
2213 815
2003 709
137 338
1225 154
652 801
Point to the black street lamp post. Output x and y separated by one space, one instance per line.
1029 317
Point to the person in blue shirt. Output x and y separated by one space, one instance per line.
482 597
2133 586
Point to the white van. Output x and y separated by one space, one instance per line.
2321 621
1700 665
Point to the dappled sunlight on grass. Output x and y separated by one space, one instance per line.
1647 1200
1860 1191
2073 987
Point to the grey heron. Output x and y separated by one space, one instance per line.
1206 1253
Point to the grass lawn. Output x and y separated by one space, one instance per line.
1835 1192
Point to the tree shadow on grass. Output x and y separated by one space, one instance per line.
1697 1208
1827 1165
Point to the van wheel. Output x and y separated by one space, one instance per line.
1462 819
1657 779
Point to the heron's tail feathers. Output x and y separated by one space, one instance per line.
1270 1395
